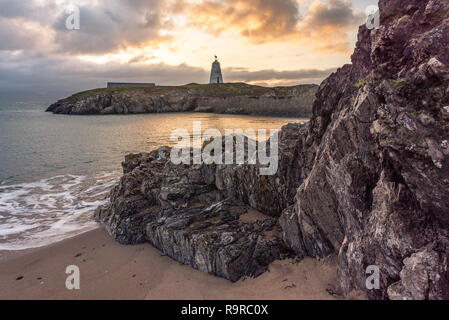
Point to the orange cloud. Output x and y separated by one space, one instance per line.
255 19
324 25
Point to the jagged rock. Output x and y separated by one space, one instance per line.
422 278
216 240
180 210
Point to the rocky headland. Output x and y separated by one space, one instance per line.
229 98
367 179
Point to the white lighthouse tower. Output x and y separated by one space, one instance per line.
215 74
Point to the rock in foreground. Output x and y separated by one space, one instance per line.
186 213
376 190
230 98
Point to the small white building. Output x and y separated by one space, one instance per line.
215 74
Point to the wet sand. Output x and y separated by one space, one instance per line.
111 271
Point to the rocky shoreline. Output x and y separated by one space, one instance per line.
366 179
230 98
221 219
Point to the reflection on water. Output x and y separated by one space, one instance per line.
56 169
36 145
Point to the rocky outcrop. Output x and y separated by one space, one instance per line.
187 213
367 179
232 98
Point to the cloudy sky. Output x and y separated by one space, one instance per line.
171 42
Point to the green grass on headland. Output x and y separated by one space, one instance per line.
227 89
228 98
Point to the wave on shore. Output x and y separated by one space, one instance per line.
36 214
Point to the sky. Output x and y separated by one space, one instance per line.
171 42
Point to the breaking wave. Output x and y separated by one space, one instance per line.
36 214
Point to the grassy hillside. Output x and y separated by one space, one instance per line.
226 89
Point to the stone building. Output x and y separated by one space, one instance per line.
129 84
215 74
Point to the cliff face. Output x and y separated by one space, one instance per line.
377 190
367 179
233 98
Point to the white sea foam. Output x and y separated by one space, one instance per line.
50 210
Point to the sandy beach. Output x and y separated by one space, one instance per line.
111 271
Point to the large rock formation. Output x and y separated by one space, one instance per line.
231 98
367 179
377 189
189 214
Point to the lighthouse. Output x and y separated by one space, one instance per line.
215 74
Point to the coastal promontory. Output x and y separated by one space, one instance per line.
365 180
230 98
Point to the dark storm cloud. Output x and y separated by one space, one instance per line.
106 26
43 13
327 24
14 8
23 23
112 25
336 13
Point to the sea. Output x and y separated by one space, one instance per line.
55 170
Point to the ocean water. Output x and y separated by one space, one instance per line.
55 170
